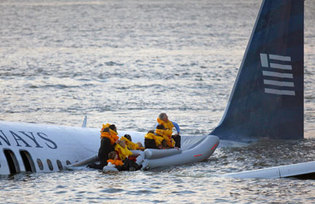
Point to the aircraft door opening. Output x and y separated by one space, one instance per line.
28 161
12 161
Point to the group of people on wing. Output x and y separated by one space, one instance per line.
117 151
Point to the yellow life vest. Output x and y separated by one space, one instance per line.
123 152
167 125
167 135
111 135
131 145
158 140
116 162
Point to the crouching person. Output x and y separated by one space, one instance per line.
169 126
153 141
131 145
120 158
166 134
113 162
136 148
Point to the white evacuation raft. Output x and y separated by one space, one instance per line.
193 149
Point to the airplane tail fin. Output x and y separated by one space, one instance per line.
267 99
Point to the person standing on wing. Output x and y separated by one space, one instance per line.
163 120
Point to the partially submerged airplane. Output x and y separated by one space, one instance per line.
266 101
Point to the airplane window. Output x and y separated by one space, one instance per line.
59 165
68 162
40 164
50 165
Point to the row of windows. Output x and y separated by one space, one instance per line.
50 165
29 165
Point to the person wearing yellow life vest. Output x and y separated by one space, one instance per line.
113 159
124 154
122 150
109 137
131 145
153 141
169 125
137 148
167 136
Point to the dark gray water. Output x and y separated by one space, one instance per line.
126 61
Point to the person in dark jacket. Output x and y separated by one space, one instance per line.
109 137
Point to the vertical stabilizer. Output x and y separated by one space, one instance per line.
267 97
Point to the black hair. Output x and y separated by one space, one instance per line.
113 127
160 127
128 137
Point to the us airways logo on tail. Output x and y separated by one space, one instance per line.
277 72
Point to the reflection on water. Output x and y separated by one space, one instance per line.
125 62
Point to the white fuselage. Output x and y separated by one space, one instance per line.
43 148
47 148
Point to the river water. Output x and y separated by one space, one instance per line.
124 62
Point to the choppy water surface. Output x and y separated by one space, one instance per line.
126 61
